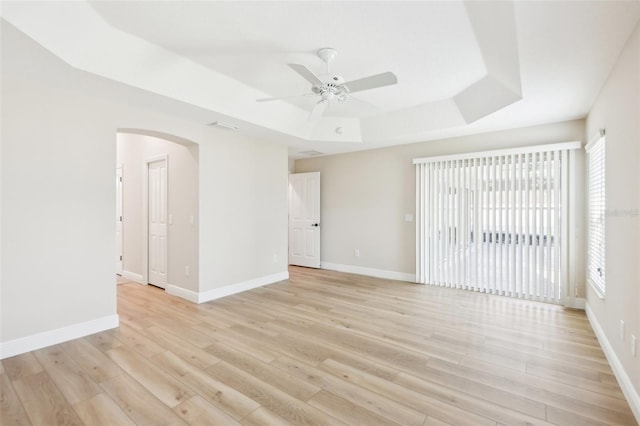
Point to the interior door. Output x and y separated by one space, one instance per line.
304 219
157 211
119 220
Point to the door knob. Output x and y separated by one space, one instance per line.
315 224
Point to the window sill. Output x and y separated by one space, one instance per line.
597 290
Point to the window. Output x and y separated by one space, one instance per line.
596 214
495 221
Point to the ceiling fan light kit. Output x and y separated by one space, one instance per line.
330 87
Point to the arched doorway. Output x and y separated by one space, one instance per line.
159 208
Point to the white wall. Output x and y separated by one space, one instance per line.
243 197
58 194
182 165
365 195
617 109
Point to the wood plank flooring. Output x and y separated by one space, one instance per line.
322 348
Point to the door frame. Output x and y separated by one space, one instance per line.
145 215
120 168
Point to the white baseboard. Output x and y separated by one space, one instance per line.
59 335
379 273
133 277
633 397
577 303
190 295
227 290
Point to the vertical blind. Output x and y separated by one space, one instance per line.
596 214
495 222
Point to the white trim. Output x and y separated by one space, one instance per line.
59 335
378 273
190 295
120 167
498 152
576 249
568 233
596 289
633 397
133 277
601 134
227 290
574 303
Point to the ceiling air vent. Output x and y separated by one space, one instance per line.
311 153
223 125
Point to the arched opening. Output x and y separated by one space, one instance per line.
157 209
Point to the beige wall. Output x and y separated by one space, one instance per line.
243 209
365 195
182 165
58 141
58 204
617 109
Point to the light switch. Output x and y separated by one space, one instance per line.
408 217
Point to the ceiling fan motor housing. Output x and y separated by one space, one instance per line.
331 89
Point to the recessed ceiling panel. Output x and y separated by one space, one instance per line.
547 60
430 46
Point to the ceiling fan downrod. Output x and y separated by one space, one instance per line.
327 54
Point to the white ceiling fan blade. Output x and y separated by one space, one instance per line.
306 74
318 110
371 82
284 97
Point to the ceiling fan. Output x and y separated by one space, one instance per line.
330 87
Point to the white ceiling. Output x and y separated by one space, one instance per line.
253 42
462 67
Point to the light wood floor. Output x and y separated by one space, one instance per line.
322 348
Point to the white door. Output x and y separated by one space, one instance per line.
304 219
157 211
119 220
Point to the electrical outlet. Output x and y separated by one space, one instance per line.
275 258
192 220
633 345
622 330
356 253
187 271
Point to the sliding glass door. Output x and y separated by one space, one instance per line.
494 222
